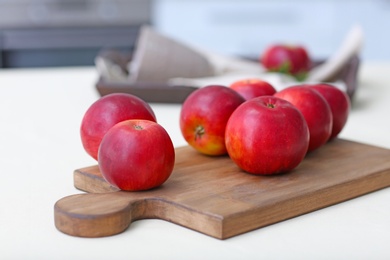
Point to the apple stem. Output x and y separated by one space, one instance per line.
138 127
270 105
199 131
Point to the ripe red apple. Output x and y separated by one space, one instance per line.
105 113
136 155
314 108
267 135
251 88
289 59
204 115
339 103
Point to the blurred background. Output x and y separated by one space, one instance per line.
41 33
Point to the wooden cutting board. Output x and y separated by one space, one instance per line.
211 195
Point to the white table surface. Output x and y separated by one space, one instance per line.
40 115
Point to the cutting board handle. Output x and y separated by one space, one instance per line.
101 214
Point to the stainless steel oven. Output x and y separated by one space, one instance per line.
37 33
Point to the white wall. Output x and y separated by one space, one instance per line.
246 27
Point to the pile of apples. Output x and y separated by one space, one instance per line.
262 130
133 151
267 133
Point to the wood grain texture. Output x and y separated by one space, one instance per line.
213 196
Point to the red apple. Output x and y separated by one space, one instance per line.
136 155
314 108
339 103
204 115
105 113
251 88
289 59
267 135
